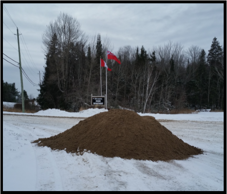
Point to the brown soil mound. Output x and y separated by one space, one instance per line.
122 133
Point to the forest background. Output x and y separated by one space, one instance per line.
159 80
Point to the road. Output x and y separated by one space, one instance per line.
46 170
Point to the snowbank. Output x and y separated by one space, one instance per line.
198 116
9 104
56 112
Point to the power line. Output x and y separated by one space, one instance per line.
26 76
9 43
10 58
9 16
23 71
26 62
23 41
10 31
10 63
8 28
16 49
34 84
28 50
25 59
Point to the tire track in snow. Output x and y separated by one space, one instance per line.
16 148
114 176
57 182
48 176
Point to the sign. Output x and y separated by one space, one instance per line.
100 100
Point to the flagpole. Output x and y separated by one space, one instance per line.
100 76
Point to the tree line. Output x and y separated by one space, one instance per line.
162 79
11 94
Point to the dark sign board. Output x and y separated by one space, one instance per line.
98 100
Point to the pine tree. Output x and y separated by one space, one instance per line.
215 82
10 93
96 67
25 95
45 98
215 53
143 56
89 70
99 50
174 92
201 76
50 96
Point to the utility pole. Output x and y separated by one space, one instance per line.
21 78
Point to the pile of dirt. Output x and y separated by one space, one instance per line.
121 133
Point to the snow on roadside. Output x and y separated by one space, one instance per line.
61 113
196 116
200 116
84 113
9 104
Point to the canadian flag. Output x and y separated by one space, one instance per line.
112 56
103 64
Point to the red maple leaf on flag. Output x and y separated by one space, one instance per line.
112 56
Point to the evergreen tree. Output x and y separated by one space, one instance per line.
45 98
197 82
99 50
152 57
201 81
50 96
215 82
10 93
191 86
215 53
173 87
172 65
89 71
143 56
25 95
71 75
96 67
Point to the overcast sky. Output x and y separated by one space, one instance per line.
151 25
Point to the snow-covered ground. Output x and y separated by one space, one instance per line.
8 104
27 167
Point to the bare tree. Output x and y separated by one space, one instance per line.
193 54
68 31
152 78
171 60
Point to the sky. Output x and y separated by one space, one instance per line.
136 24
27 167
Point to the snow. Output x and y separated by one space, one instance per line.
196 116
9 104
61 113
27 167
